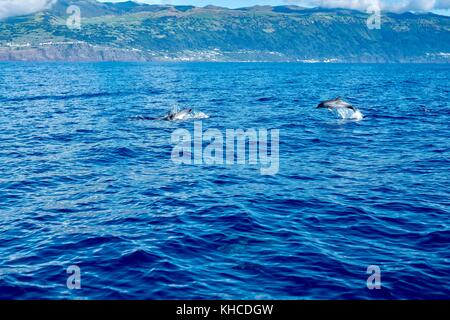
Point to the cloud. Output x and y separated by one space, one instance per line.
10 8
387 5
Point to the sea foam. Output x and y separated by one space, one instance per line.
348 114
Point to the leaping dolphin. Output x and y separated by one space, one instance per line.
174 116
335 104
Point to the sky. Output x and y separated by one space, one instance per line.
10 8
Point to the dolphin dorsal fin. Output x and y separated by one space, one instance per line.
338 98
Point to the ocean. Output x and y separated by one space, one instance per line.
88 183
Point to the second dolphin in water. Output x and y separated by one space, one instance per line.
177 115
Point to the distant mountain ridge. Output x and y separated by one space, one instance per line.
130 31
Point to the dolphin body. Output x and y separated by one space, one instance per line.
171 116
174 116
335 104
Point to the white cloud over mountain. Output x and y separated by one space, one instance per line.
387 5
9 8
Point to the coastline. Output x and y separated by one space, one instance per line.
84 52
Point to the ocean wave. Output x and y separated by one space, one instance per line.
82 184
68 96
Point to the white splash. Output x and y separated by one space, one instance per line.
348 114
188 116
198 115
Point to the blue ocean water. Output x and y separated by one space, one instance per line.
85 180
